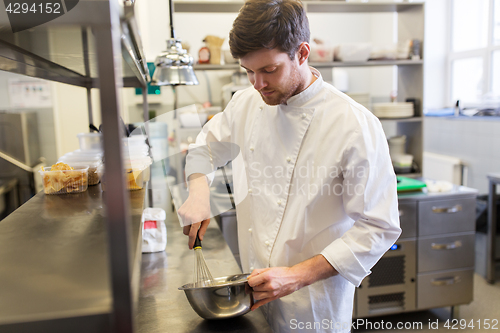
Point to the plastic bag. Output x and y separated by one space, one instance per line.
154 231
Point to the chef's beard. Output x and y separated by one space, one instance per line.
281 95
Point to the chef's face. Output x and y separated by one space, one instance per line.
273 75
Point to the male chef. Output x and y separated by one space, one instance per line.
319 206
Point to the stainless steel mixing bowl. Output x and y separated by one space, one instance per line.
231 296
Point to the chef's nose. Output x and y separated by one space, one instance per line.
259 82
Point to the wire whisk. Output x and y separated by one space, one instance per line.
202 275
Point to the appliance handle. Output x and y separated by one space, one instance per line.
444 210
447 246
445 281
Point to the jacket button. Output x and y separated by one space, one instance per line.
250 190
251 268
267 243
304 115
278 202
288 159
252 148
250 230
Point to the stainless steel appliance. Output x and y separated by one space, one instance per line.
19 150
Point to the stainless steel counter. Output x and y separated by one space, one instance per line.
54 259
164 308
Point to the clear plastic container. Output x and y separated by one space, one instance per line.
64 181
135 140
91 152
77 156
93 176
134 177
90 141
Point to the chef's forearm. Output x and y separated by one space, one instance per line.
315 269
197 183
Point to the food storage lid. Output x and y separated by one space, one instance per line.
138 164
136 150
135 140
74 164
89 135
88 152
80 158
48 170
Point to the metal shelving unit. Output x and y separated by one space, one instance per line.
331 64
232 6
103 297
410 25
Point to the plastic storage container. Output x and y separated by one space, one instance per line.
134 177
93 176
64 181
321 53
90 141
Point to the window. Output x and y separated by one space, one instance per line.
474 55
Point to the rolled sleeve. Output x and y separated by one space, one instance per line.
340 256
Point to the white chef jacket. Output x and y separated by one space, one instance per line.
318 179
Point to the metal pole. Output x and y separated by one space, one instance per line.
116 197
492 231
86 61
145 108
89 105
145 111
171 12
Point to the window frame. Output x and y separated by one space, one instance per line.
486 53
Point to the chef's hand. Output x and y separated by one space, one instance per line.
195 212
272 283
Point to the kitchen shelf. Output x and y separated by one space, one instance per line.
199 6
79 272
402 120
410 73
209 67
74 62
369 63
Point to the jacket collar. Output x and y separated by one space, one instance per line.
305 96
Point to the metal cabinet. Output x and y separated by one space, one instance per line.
444 288
446 216
432 263
390 288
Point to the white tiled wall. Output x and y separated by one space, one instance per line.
476 141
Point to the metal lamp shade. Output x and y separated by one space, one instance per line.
174 66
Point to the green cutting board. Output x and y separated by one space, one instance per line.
409 184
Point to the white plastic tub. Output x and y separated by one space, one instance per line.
90 141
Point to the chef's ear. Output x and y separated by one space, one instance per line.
303 52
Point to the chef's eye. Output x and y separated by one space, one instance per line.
270 70
249 71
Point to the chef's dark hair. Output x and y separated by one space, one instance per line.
269 24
